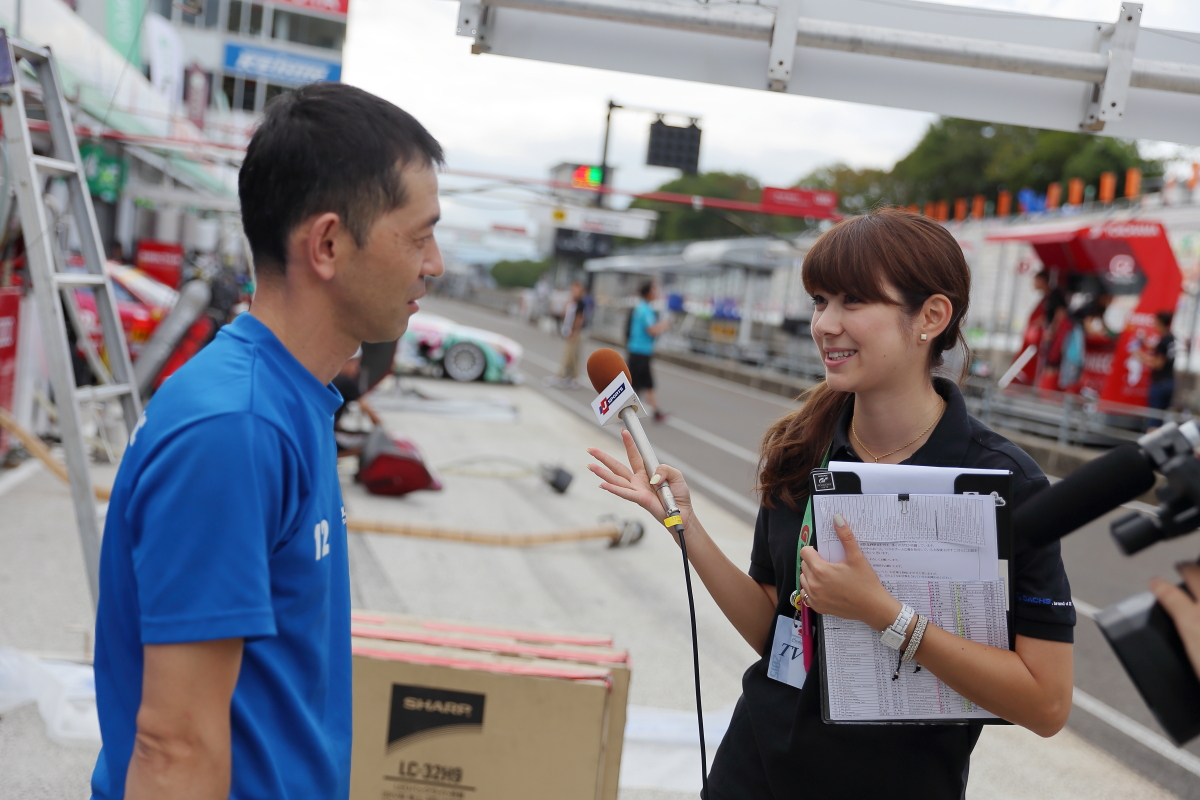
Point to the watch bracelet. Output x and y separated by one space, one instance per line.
914 642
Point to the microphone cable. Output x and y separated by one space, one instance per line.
687 579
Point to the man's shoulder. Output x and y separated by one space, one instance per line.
225 382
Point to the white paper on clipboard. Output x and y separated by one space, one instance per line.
937 551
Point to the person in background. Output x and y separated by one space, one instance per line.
644 329
1057 328
116 253
349 383
1161 361
574 320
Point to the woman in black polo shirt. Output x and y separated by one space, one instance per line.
890 291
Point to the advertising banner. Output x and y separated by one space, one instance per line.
162 261
105 172
195 95
123 20
276 66
10 305
165 49
634 223
818 204
341 7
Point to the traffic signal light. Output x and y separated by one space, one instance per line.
587 177
674 146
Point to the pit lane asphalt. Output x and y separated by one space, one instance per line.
713 436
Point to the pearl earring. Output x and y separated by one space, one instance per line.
924 337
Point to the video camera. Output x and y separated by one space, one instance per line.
1138 628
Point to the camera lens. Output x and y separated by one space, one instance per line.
1135 532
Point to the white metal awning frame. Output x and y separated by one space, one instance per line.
1119 78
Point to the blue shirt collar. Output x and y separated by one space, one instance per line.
249 328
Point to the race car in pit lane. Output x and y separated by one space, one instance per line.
440 346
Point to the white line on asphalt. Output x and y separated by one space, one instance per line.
1083 607
1136 731
695 476
17 475
712 439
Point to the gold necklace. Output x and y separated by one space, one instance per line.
898 449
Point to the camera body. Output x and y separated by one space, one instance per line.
1138 629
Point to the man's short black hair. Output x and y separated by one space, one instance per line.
326 147
1165 318
644 289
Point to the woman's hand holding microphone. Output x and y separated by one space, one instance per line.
633 484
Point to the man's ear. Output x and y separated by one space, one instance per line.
322 243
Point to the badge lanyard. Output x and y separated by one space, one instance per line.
806 536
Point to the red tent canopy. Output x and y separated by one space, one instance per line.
1126 257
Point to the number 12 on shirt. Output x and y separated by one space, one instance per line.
321 538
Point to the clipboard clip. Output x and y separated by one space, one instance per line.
903 499
999 501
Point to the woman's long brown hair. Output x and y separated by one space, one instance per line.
872 257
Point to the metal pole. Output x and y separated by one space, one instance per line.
994 326
1012 303
604 153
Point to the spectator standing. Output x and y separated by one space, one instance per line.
644 330
574 320
1161 361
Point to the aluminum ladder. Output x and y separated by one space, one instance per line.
53 286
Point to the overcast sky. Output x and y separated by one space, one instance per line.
519 117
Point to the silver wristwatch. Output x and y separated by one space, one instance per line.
893 636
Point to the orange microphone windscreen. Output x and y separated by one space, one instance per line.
603 366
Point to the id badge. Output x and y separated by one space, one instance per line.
787 652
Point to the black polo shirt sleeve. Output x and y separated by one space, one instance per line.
1042 606
761 568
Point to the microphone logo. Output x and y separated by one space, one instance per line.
607 402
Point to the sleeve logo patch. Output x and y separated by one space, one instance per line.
823 480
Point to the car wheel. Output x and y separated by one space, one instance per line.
464 362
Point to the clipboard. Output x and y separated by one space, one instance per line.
990 482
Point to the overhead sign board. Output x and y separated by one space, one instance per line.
633 224
277 66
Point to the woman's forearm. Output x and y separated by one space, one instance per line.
1030 686
740 597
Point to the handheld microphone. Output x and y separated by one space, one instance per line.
1099 486
605 367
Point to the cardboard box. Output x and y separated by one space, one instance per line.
443 723
418 672
358 616
527 643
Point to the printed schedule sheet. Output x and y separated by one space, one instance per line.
936 552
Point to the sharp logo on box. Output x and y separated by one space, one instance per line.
607 402
421 711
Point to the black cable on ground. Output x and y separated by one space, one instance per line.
687 577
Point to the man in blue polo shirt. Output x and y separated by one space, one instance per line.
223 630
